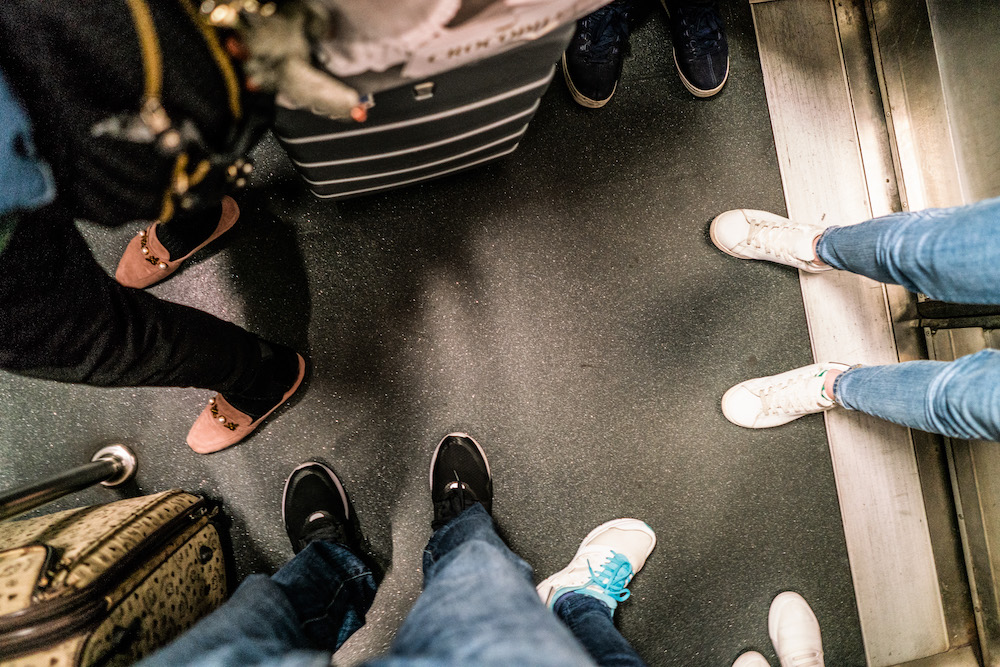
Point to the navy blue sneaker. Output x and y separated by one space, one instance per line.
701 52
593 61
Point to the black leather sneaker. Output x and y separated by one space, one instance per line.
701 51
314 506
593 60
460 478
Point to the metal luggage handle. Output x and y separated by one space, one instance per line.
110 466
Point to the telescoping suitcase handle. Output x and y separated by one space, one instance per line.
110 466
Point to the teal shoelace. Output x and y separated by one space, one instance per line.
613 576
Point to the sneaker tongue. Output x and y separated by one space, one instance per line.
610 29
320 526
783 241
455 501
704 31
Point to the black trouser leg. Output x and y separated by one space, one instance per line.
63 318
188 229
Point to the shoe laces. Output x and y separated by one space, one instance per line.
457 498
767 237
604 31
700 29
612 577
791 396
321 526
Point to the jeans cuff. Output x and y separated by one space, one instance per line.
821 243
474 521
838 379
574 602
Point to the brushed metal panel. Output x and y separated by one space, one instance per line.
904 44
975 476
820 157
880 169
966 33
960 657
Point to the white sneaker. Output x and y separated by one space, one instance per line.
778 399
751 659
794 632
750 234
604 564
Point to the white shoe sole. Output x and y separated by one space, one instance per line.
579 97
698 92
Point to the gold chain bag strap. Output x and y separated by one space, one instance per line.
199 173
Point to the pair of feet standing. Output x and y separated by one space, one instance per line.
592 64
315 506
156 253
777 399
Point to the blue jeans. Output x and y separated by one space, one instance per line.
959 399
297 617
952 254
479 606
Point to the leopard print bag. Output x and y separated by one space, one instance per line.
107 584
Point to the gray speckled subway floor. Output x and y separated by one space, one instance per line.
564 306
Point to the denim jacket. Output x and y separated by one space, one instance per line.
25 181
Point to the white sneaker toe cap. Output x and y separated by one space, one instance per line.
728 230
741 406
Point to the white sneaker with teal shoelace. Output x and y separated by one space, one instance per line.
604 564
778 399
750 234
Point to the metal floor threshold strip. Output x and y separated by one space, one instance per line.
836 163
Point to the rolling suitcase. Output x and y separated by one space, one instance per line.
461 100
107 584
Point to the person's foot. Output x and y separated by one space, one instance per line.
593 60
146 262
794 632
314 506
701 52
460 478
750 234
226 421
604 564
751 659
778 399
